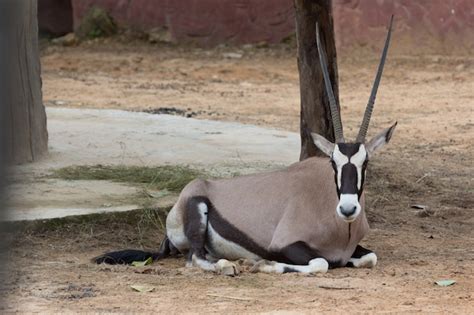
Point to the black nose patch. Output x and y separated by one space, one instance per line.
348 211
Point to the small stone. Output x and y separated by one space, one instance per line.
227 268
423 213
66 40
460 67
160 35
232 55
228 271
262 44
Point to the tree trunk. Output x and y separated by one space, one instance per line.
23 115
315 112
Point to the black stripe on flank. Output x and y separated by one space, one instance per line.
229 232
298 253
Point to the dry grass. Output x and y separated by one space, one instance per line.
132 229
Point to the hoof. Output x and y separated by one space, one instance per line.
227 268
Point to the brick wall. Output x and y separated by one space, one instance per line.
436 24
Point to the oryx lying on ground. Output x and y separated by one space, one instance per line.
305 218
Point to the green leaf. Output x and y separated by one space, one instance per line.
445 283
142 288
142 263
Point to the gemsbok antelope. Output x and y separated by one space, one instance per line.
306 218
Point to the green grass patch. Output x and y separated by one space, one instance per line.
96 23
169 177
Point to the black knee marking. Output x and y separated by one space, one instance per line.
289 270
299 253
195 226
229 232
358 253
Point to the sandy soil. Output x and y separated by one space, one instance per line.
429 162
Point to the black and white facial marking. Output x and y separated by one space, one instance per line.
349 161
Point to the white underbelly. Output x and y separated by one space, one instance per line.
225 249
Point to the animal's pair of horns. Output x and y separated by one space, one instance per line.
336 117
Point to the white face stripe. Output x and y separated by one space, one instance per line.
358 160
340 160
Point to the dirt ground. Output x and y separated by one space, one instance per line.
428 162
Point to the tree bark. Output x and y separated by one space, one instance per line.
24 116
315 112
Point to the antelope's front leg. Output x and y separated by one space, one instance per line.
314 266
299 257
362 258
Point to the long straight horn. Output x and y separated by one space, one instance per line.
370 105
336 117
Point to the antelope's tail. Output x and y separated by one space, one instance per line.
127 256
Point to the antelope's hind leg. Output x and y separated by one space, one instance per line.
362 258
195 229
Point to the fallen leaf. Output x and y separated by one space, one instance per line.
142 263
445 283
142 288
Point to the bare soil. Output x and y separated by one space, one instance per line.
429 162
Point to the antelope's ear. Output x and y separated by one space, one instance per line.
324 145
380 140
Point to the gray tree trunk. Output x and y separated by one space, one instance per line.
315 113
24 116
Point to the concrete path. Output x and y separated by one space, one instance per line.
89 137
